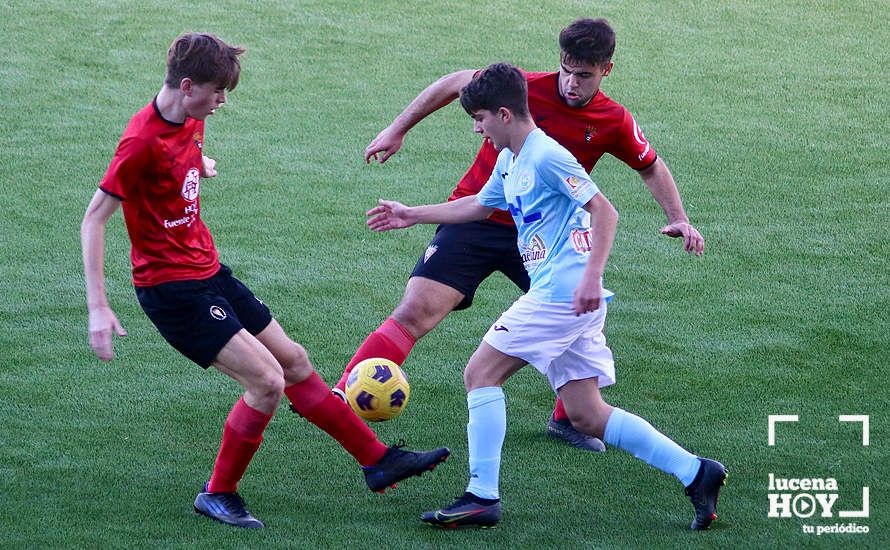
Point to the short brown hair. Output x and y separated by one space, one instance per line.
204 58
588 41
498 85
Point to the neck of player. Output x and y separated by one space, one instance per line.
170 105
519 133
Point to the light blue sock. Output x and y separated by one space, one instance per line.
631 433
485 438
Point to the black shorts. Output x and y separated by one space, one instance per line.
465 254
199 317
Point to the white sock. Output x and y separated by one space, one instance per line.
631 433
485 438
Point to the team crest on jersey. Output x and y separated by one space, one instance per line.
430 250
589 133
523 181
197 139
533 252
191 184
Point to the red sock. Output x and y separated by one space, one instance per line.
390 341
315 402
242 436
559 412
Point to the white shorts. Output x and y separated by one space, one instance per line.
559 344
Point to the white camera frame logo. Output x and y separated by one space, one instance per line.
799 497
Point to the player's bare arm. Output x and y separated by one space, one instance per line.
388 215
435 96
103 323
661 184
603 221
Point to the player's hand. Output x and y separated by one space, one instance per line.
693 242
384 145
208 167
389 215
102 323
587 296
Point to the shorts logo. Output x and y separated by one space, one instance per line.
218 313
430 250
500 328
191 184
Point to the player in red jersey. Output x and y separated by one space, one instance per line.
570 107
194 301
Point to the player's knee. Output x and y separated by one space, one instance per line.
417 318
420 312
469 380
268 387
296 362
298 357
475 377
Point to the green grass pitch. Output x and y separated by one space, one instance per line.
771 115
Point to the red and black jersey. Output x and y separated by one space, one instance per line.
156 172
601 126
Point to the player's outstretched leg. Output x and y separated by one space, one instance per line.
703 492
397 465
226 508
383 466
467 510
701 477
390 341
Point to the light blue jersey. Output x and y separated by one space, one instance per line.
544 189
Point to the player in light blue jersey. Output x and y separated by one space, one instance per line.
545 190
566 227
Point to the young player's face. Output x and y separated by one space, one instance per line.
204 99
490 126
579 82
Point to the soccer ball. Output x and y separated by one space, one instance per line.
377 389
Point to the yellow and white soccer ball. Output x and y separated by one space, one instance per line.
377 389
